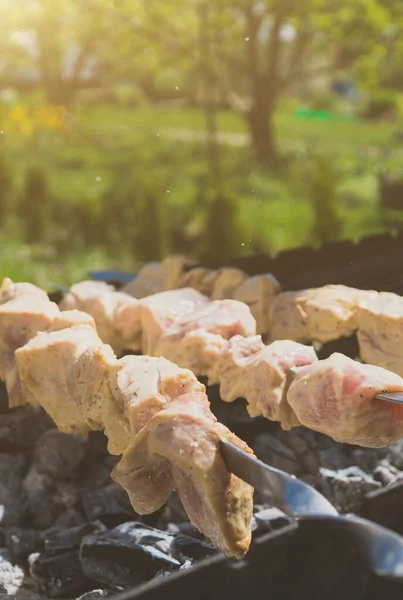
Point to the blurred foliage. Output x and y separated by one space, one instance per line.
104 159
223 233
382 104
327 224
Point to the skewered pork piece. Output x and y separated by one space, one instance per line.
251 370
126 323
197 350
81 384
246 367
258 292
159 312
10 291
157 277
117 315
200 279
224 318
318 314
336 396
186 436
226 283
380 331
23 312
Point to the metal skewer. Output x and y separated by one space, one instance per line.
393 397
382 548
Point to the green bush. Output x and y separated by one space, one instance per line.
327 224
35 207
222 230
6 189
381 104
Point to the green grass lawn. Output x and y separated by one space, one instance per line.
108 147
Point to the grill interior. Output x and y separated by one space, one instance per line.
78 552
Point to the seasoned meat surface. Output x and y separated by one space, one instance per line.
117 315
226 281
258 373
24 311
159 312
45 367
321 314
336 396
198 350
143 385
157 277
185 437
196 340
10 291
234 363
380 331
258 293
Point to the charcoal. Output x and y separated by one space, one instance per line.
365 458
70 518
303 447
37 484
110 505
121 557
20 428
12 470
43 512
66 495
171 512
385 473
59 454
272 451
58 540
185 548
41 508
346 488
3 398
269 519
395 455
59 575
186 529
332 458
23 541
146 536
95 594
11 574
96 446
95 475
111 461
13 513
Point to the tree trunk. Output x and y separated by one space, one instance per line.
262 134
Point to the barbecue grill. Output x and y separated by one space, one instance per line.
289 560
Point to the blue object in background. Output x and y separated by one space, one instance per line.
111 276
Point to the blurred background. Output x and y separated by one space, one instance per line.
134 129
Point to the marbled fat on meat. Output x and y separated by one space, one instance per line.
319 314
185 438
336 396
162 311
258 373
117 315
380 331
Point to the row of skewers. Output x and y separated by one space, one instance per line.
156 414
283 381
317 315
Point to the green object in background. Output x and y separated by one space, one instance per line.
322 115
